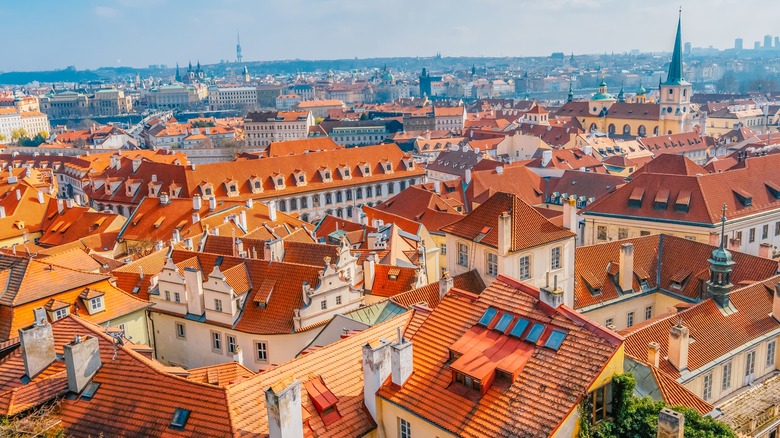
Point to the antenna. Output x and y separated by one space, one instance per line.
117 336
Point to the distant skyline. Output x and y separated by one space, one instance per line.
54 34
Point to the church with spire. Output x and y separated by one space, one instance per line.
640 116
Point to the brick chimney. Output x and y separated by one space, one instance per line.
193 289
376 369
626 272
283 403
678 346
654 354
446 283
401 360
504 233
37 343
82 361
765 250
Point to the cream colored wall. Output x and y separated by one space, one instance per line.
389 420
195 350
619 310
135 326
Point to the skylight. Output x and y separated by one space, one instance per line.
90 390
487 318
503 323
519 327
535 333
180 417
555 340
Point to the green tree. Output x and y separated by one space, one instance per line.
17 134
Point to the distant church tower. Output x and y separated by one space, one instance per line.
721 264
239 57
675 99
246 75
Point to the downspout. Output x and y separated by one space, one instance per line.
153 337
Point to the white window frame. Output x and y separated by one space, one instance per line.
96 303
216 342
555 257
725 382
232 344
181 330
404 428
648 312
491 264
61 313
524 267
771 352
463 255
261 354
630 318
217 304
706 391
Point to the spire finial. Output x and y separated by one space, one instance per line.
723 227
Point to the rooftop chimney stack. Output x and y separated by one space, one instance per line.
197 203
369 271
18 194
250 203
437 187
2 212
60 206
176 238
654 354
283 403
272 210
37 343
376 369
195 218
82 361
547 156
776 303
212 203
41 198
504 234
242 219
467 177
679 338
401 360
552 296
570 214
626 273
446 282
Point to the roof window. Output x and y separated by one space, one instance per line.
90 390
487 317
535 333
555 340
180 417
519 327
503 322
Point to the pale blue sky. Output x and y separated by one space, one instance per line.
52 34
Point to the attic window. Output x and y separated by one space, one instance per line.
180 417
555 339
593 283
744 197
680 278
90 390
392 274
487 317
327 175
661 200
535 333
503 322
635 200
683 202
519 327
323 399
774 188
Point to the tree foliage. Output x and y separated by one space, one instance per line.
637 417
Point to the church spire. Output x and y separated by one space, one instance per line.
721 265
676 67
570 97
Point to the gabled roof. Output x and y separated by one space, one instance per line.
529 227
546 389
516 179
422 206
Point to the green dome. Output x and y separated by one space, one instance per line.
602 96
721 256
641 91
603 83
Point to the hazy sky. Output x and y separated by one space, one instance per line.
56 33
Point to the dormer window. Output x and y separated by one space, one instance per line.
256 184
345 173
61 313
96 303
300 178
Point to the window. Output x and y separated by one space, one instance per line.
752 235
777 228
492 264
463 254
177 297
622 233
349 195
404 428
167 295
293 204
644 233
61 313
555 258
648 312
770 354
629 319
726 381
339 196
216 342
525 268
750 364
601 403
231 344
390 188
443 247
706 392
609 322
765 231
96 303
217 304
328 199
180 417
338 299
180 332
261 349
601 232
324 304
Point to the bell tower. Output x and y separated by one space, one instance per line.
675 99
721 264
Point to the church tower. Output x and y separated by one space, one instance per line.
675 99
721 264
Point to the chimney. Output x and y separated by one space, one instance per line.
499 170
552 296
546 157
401 360
212 203
671 424
678 346
272 210
250 203
714 239
197 203
158 245
163 198
69 203
504 233
37 343
188 243
734 244
654 354
242 219
18 194
776 303
369 272
193 290
195 218
626 273
446 283
176 238
238 355
41 198
467 177
376 369
283 403
765 250
2 212
82 361
60 206
437 187
239 247
570 214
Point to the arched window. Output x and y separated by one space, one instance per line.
611 129
642 131
669 132
626 130
655 131
593 127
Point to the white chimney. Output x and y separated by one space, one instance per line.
238 355
250 203
18 194
499 169
626 271
242 219
504 233
654 354
188 243
82 361
197 203
552 296
546 157
37 343
195 218
401 360
212 203
570 214
164 198
678 346
2 212
446 282
60 206
776 303
467 177
437 187
272 210
283 403
176 238
69 203
376 369
154 178
369 272
193 285
41 198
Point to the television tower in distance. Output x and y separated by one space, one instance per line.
239 57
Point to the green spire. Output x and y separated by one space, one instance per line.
676 67
621 95
570 97
721 265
